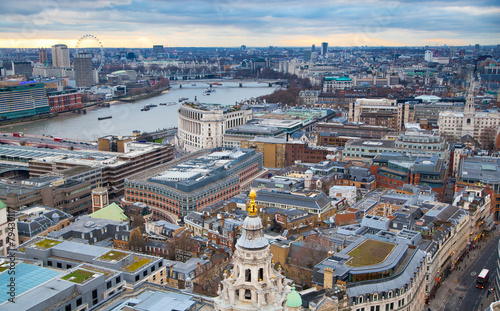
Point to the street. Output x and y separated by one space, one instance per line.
458 291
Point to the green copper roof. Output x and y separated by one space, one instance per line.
293 299
2 205
111 212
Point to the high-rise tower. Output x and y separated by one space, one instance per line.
83 70
253 284
60 55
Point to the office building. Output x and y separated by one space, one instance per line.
78 275
157 49
330 84
379 112
416 142
60 101
193 182
483 172
393 170
23 101
373 273
202 126
234 137
60 56
22 68
351 130
324 49
83 70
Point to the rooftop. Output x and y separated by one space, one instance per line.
370 252
27 277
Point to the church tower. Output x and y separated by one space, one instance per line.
253 284
99 198
469 111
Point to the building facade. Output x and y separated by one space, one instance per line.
23 101
336 83
177 188
64 100
60 55
83 70
482 126
202 126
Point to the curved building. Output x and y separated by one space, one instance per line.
193 182
202 126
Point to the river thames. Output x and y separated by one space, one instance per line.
127 117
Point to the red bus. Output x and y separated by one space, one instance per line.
57 139
482 278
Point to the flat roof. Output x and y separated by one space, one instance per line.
27 277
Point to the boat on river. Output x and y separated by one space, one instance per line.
104 118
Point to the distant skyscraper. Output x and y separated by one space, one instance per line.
157 49
22 68
60 55
324 48
42 56
313 48
307 55
476 47
243 47
83 70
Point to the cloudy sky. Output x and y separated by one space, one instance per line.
231 23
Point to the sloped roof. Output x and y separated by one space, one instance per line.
110 212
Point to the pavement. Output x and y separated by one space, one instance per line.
458 291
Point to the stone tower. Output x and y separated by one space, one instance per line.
469 111
253 284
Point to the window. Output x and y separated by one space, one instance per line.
79 302
94 294
59 265
49 263
248 294
248 275
68 308
108 285
118 279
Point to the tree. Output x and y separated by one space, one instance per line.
208 281
137 242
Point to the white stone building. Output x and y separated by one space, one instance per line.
482 126
202 126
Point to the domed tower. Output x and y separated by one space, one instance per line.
253 284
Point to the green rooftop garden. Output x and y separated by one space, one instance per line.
136 264
78 276
46 243
113 255
4 267
370 252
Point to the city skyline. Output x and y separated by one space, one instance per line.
224 23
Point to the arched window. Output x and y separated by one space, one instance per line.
248 275
248 294
360 299
468 120
375 297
